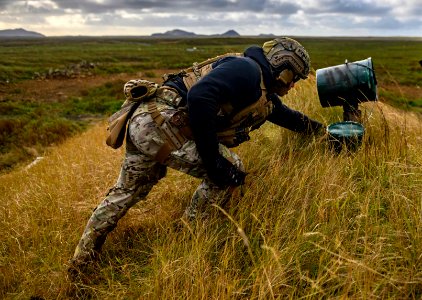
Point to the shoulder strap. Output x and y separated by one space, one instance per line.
198 70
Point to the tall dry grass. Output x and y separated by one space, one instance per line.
309 223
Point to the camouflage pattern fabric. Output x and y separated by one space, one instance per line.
139 173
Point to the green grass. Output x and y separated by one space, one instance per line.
22 59
103 100
37 125
396 60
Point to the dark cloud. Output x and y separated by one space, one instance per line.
282 8
154 5
347 7
108 6
4 3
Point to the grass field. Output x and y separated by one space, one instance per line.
310 224
78 80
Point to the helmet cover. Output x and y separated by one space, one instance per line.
286 53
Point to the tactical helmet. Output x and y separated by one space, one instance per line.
286 53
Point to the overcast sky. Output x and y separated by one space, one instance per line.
247 17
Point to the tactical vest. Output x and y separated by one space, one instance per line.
241 123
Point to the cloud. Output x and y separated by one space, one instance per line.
300 17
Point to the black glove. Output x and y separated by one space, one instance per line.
224 174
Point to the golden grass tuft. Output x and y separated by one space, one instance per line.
310 224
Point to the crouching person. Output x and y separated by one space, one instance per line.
189 123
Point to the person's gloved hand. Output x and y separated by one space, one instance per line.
320 130
224 174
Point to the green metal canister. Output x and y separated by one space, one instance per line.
347 84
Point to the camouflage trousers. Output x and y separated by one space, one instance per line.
140 172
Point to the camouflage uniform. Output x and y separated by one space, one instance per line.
140 172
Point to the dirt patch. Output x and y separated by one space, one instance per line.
52 90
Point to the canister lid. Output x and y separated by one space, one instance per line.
346 129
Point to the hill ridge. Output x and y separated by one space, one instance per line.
20 32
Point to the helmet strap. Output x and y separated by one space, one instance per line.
286 76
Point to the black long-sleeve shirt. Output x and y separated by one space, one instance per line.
234 80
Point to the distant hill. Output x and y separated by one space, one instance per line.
266 35
230 33
174 33
182 33
20 32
